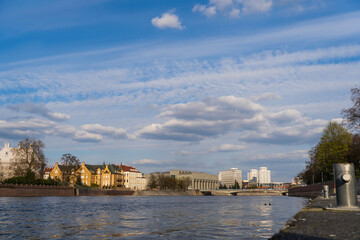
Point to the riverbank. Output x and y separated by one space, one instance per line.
315 223
167 193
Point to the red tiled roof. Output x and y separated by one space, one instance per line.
49 169
128 168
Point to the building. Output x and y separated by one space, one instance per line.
9 162
261 177
199 180
253 175
133 179
105 175
228 177
264 176
47 172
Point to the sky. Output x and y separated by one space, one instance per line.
199 85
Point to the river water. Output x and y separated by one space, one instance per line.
153 217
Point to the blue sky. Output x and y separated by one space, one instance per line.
200 85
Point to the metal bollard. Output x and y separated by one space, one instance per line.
326 191
345 185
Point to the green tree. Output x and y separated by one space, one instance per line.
30 157
354 154
333 148
236 185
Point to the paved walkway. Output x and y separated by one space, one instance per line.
315 223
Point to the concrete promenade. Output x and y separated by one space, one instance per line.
315 223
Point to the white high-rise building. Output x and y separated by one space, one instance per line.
253 175
228 177
264 175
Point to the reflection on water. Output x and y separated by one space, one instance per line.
185 217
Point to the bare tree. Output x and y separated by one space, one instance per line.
152 181
70 165
352 115
29 157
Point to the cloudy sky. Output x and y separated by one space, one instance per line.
202 85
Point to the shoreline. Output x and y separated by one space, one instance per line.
315 222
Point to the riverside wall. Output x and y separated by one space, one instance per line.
168 193
103 192
311 191
15 190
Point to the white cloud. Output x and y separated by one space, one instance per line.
167 20
147 162
265 96
234 13
252 6
207 11
228 148
221 4
233 8
83 136
39 110
116 133
214 117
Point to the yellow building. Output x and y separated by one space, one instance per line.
57 173
101 175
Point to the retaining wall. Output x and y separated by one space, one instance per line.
311 191
15 190
103 192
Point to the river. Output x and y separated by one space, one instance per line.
153 217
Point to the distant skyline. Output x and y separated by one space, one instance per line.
201 85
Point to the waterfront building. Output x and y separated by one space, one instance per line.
261 177
9 161
105 175
253 175
57 173
47 172
264 176
133 179
228 177
199 180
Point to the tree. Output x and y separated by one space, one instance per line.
71 164
236 185
30 157
354 153
334 147
352 115
187 182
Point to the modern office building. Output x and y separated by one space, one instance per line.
264 175
253 175
228 177
261 176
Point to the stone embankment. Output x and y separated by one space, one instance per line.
102 192
15 190
247 192
315 222
168 193
311 191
